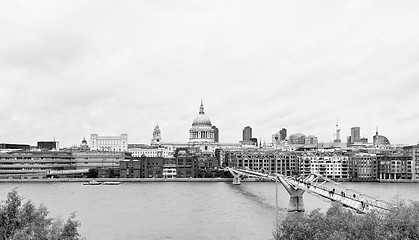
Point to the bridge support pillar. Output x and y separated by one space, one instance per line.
236 176
236 180
296 203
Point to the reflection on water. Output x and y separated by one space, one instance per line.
190 210
258 194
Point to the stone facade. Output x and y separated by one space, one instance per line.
109 143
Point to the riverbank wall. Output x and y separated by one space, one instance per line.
125 180
128 180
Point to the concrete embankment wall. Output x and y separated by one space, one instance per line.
124 180
399 181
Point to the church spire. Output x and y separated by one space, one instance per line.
201 108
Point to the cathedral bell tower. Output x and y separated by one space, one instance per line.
156 136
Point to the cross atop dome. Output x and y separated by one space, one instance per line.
201 108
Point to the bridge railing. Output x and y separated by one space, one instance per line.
316 183
348 197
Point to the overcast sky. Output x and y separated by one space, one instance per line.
72 68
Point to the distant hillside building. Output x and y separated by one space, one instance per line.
247 137
279 137
297 138
109 143
275 139
48 145
311 140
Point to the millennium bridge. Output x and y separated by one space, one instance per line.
314 184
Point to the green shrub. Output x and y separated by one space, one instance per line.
26 222
401 222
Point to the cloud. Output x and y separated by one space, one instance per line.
75 68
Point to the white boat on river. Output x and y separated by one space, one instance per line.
111 183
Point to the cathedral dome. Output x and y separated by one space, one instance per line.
201 119
201 130
380 139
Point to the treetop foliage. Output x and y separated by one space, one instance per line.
27 222
338 223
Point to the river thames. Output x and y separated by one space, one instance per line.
181 210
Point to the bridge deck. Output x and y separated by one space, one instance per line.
359 203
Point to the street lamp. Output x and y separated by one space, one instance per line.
276 186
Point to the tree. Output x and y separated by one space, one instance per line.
92 173
27 222
400 222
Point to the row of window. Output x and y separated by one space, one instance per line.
21 169
35 163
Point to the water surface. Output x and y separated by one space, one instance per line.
181 210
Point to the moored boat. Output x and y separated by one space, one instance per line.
111 183
92 182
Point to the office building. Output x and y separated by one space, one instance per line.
109 143
364 166
98 159
263 160
48 145
330 165
297 139
247 134
130 168
139 150
355 134
275 139
282 134
216 134
12 146
310 140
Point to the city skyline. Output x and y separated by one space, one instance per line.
71 69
